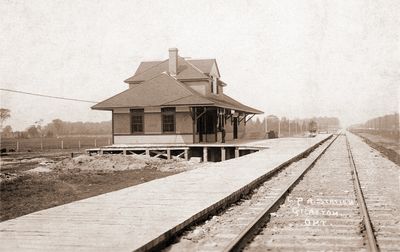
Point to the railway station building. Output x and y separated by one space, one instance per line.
176 101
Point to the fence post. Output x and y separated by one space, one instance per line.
109 141
41 143
95 142
79 144
62 144
17 146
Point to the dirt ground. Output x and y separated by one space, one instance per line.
389 147
33 182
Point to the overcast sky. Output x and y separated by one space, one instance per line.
288 58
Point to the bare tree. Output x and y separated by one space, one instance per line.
58 124
4 115
312 126
7 132
38 125
32 131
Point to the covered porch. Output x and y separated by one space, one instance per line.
218 124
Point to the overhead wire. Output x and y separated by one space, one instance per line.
47 96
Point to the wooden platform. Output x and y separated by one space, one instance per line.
139 217
232 149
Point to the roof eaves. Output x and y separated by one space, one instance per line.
205 101
94 106
104 108
233 104
193 79
222 83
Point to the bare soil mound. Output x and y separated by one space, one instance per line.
111 163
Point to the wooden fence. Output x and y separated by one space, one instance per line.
43 144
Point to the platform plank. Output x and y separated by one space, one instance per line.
130 218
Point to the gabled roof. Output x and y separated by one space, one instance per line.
150 69
165 90
158 91
156 87
145 65
205 65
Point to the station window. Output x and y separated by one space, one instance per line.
137 120
168 119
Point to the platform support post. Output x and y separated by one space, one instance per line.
223 154
237 154
147 152
186 155
205 153
124 152
168 154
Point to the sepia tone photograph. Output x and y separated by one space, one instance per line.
200 125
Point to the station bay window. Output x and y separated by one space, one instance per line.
137 120
168 120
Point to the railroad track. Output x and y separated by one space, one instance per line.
380 183
314 204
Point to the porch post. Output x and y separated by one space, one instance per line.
194 114
237 153
223 154
112 126
205 126
205 158
216 125
186 155
168 154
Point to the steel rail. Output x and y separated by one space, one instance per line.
372 245
250 230
222 204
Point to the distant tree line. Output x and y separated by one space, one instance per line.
387 123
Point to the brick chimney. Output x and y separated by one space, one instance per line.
173 61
